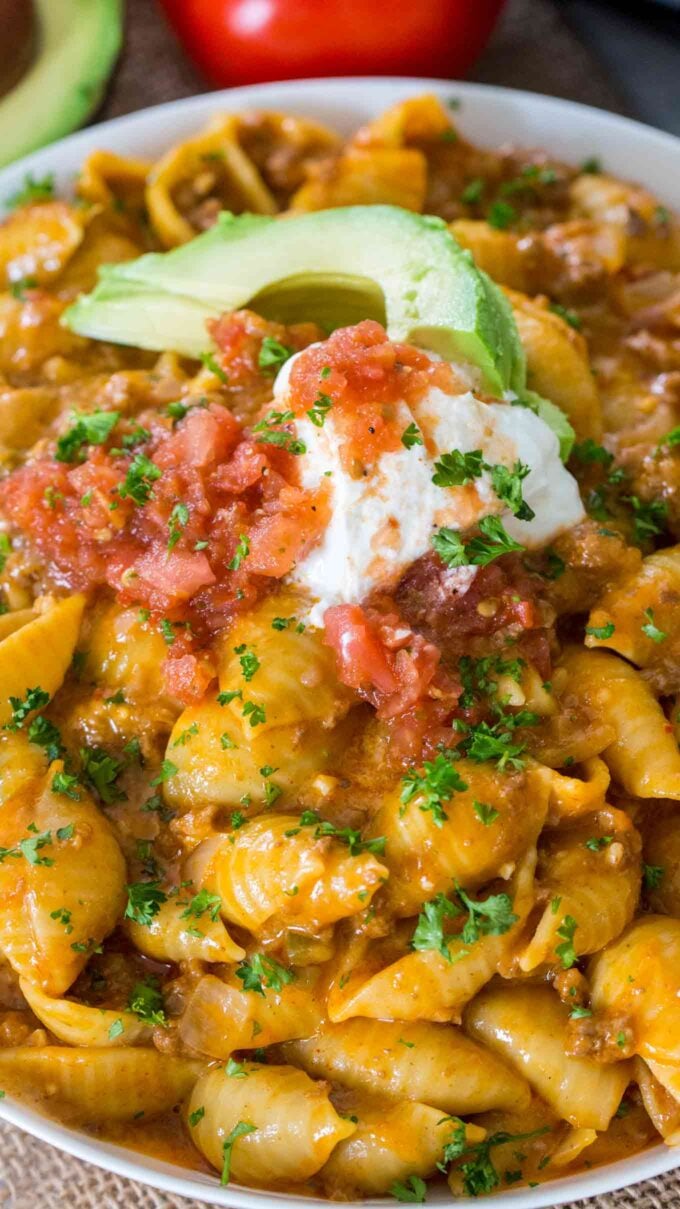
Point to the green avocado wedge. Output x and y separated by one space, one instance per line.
334 266
77 45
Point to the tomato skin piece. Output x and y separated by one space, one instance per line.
362 658
246 41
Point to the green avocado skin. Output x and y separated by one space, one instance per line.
78 42
335 266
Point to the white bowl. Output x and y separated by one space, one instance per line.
487 115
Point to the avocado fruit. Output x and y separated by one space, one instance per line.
335 266
76 44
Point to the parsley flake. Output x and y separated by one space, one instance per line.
651 630
272 355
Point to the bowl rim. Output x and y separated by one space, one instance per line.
154 123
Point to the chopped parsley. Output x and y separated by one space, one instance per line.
186 735
494 740
196 1116
567 314
601 631
501 215
272 355
477 675
179 518
18 288
255 713
597 842
413 1189
411 436
456 469
63 916
201 904
651 630
492 542
263 972
649 517
242 550
117 1029
508 487
652 876
429 932
436 785
34 189
236 1070
472 193
176 410
479 1173
101 771
45 734
566 951
137 484
248 660
167 770
67 784
671 438
167 631
270 434
209 362
320 409
492 916
239 1131
590 452
592 165
35 698
347 835
145 900
485 813
146 1001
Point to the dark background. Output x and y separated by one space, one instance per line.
617 55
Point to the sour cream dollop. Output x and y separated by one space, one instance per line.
384 519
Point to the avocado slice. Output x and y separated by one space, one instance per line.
336 266
77 44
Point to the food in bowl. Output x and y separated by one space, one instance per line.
338 658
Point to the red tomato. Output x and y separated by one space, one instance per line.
244 41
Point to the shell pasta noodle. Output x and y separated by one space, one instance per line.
339 658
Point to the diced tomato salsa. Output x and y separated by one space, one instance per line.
192 516
365 376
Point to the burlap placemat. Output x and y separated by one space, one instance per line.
532 48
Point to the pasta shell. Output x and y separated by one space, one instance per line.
435 1064
391 1142
169 937
209 771
296 1126
37 241
639 976
77 1024
83 1086
9 622
220 1017
39 653
54 914
424 859
526 1026
272 869
215 150
296 680
20 762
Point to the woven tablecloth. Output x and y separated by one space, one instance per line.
532 48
